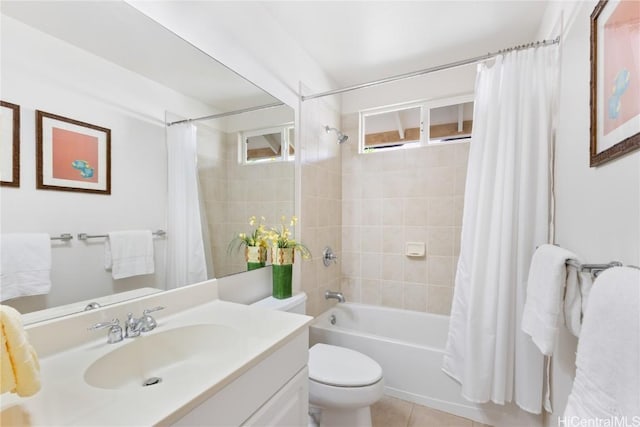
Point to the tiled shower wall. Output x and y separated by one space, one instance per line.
211 174
233 192
320 216
394 197
259 189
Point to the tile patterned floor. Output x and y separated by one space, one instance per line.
392 412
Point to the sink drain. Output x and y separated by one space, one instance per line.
151 381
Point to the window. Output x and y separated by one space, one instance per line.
403 126
266 145
450 122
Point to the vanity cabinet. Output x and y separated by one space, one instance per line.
237 365
288 407
274 392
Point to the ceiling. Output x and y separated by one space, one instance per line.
121 34
352 41
359 41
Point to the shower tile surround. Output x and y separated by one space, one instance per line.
365 206
321 202
394 197
233 192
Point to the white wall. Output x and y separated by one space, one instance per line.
244 37
41 72
597 209
441 84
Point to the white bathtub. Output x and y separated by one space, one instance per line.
409 346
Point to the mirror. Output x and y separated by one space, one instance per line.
106 64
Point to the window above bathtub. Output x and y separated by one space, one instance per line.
266 145
416 124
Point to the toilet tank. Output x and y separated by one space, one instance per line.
297 303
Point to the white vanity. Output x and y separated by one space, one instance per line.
208 362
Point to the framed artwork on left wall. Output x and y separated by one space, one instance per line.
72 155
615 80
9 144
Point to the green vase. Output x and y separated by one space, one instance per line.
256 257
282 272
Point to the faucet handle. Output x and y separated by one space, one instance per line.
328 256
101 325
151 310
115 331
147 322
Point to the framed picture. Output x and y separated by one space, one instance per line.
72 155
615 80
9 144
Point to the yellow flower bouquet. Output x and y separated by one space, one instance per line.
255 244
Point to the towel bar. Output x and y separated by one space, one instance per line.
85 236
594 269
64 237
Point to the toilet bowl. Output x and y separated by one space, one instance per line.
343 383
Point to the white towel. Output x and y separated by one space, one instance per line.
25 265
545 292
607 383
575 299
129 253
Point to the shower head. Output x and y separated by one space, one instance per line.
341 136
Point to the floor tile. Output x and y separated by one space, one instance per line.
390 412
421 416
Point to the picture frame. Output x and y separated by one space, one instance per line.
72 155
615 81
9 144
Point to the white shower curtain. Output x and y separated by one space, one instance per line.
506 215
186 262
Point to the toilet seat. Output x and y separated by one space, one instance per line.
342 367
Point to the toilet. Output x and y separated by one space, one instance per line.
343 383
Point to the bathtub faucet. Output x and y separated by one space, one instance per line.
334 295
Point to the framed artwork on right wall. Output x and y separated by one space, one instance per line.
9 144
615 80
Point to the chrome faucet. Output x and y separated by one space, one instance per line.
115 331
132 326
334 295
146 323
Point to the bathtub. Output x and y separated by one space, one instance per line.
409 345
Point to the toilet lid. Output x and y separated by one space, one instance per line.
342 367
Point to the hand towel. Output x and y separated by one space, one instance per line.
575 299
129 253
607 382
545 292
20 371
25 264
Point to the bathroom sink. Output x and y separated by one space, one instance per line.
176 355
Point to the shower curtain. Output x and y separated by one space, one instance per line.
506 215
186 261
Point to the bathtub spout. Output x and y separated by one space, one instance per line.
334 295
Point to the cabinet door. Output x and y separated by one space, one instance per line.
289 407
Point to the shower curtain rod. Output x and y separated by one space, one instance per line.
228 113
430 70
